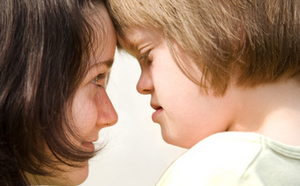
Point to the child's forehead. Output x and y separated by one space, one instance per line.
133 38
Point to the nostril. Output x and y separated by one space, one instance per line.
144 88
145 84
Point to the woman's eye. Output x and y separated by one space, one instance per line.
100 80
144 59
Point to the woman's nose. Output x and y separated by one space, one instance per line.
107 114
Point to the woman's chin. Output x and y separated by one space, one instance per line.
71 177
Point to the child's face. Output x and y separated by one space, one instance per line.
185 113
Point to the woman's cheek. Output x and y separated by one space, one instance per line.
85 108
90 111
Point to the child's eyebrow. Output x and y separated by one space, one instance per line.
125 42
133 44
130 46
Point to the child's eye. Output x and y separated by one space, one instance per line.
144 59
100 80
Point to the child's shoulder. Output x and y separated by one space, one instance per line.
236 158
243 147
221 150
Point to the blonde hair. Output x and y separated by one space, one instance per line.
259 37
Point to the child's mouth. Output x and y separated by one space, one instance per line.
156 113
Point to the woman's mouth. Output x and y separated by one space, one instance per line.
88 146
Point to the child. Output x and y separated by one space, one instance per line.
224 83
54 61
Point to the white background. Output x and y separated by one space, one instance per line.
136 154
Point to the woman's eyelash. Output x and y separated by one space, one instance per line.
100 77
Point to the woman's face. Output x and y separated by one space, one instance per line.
92 109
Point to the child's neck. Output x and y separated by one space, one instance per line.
272 110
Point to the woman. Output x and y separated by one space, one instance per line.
54 60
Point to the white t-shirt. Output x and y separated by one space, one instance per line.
236 159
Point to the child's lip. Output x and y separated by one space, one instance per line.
158 109
155 107
155 115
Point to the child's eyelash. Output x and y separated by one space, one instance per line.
145 55
145 58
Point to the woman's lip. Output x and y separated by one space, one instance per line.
88 145
156 113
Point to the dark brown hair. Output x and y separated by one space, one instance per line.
43 44
260 38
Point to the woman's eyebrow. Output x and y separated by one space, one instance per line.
107 63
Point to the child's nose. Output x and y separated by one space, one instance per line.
144 85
